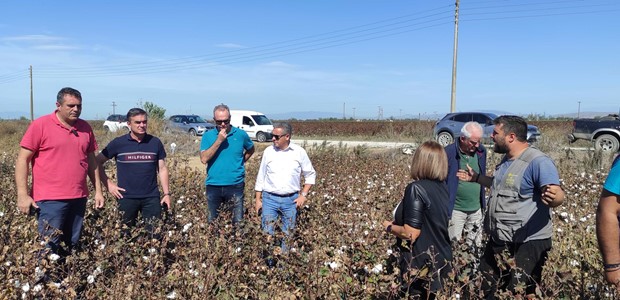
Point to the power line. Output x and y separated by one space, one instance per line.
298 41
538 9
380 29
248 56
541 15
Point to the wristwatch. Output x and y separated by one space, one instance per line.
388 228
304 194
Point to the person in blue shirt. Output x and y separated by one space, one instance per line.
140 159
225 150
524 188
607 225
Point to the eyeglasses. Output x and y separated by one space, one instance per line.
277 136
474 143
222 121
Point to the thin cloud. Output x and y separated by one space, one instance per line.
230 46
55 47
33 38
279 64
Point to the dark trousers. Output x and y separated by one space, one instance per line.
231 196
529 258
60 221
149 207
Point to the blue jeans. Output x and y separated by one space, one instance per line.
229 195
61 221
275 206
150 208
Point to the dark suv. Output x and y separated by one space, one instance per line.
449 127
192 124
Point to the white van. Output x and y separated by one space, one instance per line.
256 124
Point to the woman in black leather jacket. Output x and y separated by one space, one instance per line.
421 224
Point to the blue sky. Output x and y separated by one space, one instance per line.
517 56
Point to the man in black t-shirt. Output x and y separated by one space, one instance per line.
140 158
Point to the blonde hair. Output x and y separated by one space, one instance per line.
430 161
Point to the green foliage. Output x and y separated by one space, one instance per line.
154 111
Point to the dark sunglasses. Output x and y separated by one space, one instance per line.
222 121
277 137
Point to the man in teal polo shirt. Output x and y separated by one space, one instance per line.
225 151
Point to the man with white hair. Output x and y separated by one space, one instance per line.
466 198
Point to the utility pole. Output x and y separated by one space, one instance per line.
578 108
113 107
380 114
31 97
456 43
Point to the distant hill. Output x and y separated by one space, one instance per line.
303 115
316 115
585 114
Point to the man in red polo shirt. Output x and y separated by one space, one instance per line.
60 148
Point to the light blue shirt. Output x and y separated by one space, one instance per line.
612 183
226 166
540 172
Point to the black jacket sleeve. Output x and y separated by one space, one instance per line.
415 203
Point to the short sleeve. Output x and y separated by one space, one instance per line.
32 138
161 151
207 140
92 142
612 183
247 144
543 172
111 150
413 208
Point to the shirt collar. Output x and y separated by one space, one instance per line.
146 138
285 149
60 124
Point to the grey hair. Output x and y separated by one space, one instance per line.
286 127
221 107
466 131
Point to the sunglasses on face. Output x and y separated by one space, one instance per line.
277 136
221 122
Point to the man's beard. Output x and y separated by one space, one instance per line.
501 149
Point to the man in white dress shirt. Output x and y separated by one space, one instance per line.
278 183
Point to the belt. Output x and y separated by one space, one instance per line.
283 195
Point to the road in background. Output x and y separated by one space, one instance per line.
368 144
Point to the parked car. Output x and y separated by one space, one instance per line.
603 132
115 122
192 124
449 127
254 123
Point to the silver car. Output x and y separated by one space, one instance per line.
192 124
449 127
